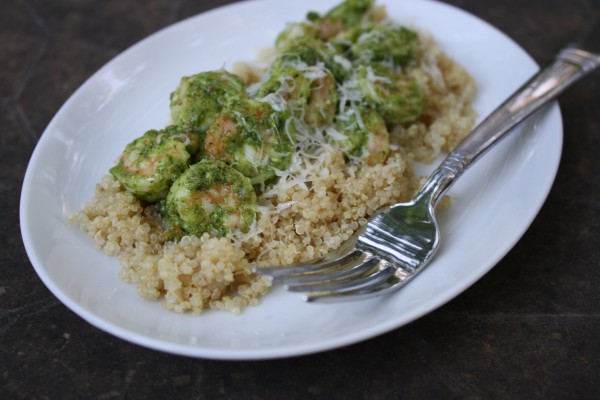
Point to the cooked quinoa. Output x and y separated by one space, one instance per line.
303 215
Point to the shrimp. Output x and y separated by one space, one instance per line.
384 43
149 165
253 138
288 83
199 98
396 97
310 92
343 17
311 51
191 138
365 135
322 102
292 32
349 13
212 197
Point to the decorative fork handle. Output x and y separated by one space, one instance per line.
570 65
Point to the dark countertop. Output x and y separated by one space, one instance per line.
528 329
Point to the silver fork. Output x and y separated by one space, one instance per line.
399 241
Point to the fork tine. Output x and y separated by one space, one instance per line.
352 267
341 256
342 285
351 295
400 278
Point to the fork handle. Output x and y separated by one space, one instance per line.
571 64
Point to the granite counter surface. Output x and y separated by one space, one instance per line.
528 329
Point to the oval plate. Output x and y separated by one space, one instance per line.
130 95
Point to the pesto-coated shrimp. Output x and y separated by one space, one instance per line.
322 101
364 135
199 98
150 164
253 138
310 92
396 97
289 83
294 31
343 17
349 13
304 49
312 51
393 44
212 197
192 139
339 19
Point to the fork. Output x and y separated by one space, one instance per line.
399 241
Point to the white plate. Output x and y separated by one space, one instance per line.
494 203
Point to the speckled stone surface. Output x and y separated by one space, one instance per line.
529 329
